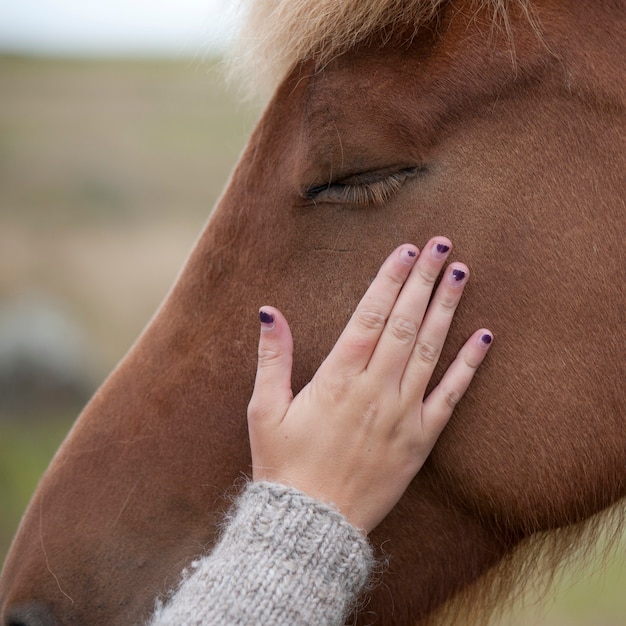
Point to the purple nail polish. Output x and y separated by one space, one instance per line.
440 251
266 318
486 339
458 275
408 256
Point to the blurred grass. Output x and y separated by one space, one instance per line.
108 171
26 447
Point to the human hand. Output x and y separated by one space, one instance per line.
359 432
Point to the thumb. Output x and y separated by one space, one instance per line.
272 393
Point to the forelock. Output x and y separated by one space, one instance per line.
278 34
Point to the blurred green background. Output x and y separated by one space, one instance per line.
108 171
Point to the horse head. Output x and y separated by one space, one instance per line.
507 140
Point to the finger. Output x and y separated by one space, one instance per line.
272 388
354 348
438 406
401 331
433 331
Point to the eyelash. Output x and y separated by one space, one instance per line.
374 192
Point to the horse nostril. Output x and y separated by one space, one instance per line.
29 615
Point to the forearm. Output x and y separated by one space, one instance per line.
283 558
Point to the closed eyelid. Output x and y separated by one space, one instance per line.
362 189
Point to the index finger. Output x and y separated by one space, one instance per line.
355 346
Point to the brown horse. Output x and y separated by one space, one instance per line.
500 125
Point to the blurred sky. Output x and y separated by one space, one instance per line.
186 28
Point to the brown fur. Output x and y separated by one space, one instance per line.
523 169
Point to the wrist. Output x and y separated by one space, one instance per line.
307 545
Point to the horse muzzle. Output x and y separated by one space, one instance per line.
29 614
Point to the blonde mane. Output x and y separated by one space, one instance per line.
278 34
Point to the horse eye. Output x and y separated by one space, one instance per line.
369 188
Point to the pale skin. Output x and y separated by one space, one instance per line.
359 432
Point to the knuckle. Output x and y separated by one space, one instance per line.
370 319
448 304
268 356
369 414
359 345
427 352
427 275
336 389
471 361
403 329
451 397
397 278
258 410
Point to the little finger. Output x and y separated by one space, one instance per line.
442 400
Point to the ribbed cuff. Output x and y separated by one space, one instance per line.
309 550
283 558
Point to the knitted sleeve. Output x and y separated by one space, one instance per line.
283 558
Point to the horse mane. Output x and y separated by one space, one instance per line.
533 569
278 34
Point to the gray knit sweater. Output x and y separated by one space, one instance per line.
283 558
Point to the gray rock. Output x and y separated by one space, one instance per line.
44 357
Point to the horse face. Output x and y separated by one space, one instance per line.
521 169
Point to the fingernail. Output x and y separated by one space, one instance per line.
267 320
456 277
485 339
408 256
440 251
